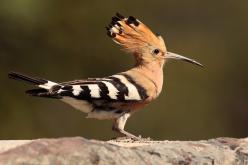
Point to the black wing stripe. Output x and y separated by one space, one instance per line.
85 93
142 91
104 91
121 87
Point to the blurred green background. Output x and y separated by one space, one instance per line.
64 40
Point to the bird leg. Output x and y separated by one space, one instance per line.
119 125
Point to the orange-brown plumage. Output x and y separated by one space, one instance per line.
135 37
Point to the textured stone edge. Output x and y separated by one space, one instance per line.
78 150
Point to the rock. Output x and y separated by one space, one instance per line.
78 150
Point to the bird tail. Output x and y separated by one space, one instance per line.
28 79
45 86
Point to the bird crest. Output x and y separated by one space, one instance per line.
134 36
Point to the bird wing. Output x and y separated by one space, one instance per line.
119 87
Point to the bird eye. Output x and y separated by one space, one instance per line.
156 51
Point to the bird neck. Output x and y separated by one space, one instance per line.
153 71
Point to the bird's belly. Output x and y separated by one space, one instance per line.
93 112
81 105
105 114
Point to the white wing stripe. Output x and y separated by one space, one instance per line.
76 90
112 90
94 90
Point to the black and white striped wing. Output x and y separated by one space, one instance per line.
120 87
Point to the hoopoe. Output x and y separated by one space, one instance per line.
118 96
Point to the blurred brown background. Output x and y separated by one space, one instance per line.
63 40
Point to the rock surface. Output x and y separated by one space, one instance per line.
77 150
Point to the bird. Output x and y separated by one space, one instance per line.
120 95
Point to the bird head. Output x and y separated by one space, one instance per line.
136 38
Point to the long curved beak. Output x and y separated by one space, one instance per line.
171 55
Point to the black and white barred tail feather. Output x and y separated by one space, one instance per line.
44 85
